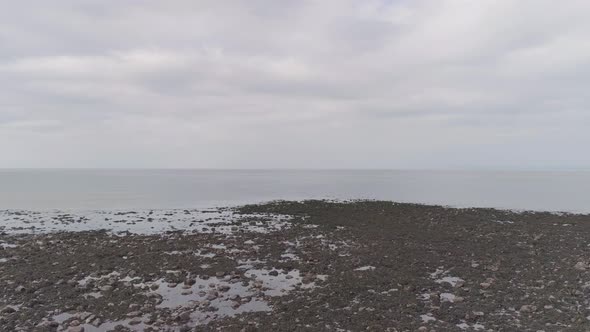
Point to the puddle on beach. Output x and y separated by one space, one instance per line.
202 299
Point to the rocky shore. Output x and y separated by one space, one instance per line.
295 266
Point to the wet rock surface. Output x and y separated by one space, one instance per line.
334 266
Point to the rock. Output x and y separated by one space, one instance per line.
75 329
149 320
307 280
135 321
581 266
8 310
186 292
154 286
20 289
47 324
212 296
75 322
223 288
273 273
528 308
84 316
185 316
106 288
96 322
134 314
485 285
172 285
219 274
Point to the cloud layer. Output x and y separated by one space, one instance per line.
295 84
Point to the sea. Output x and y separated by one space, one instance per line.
118 189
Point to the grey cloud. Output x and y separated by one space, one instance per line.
377 84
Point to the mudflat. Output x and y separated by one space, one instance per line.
296 266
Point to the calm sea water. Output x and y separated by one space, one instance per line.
136 189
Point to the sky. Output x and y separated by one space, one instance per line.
420 84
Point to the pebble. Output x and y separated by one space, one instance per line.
273 273
528 308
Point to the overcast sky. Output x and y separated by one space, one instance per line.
295 84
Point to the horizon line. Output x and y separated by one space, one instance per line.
442 169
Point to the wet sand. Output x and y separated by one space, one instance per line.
295 266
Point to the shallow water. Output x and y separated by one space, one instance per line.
169 189
136 222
